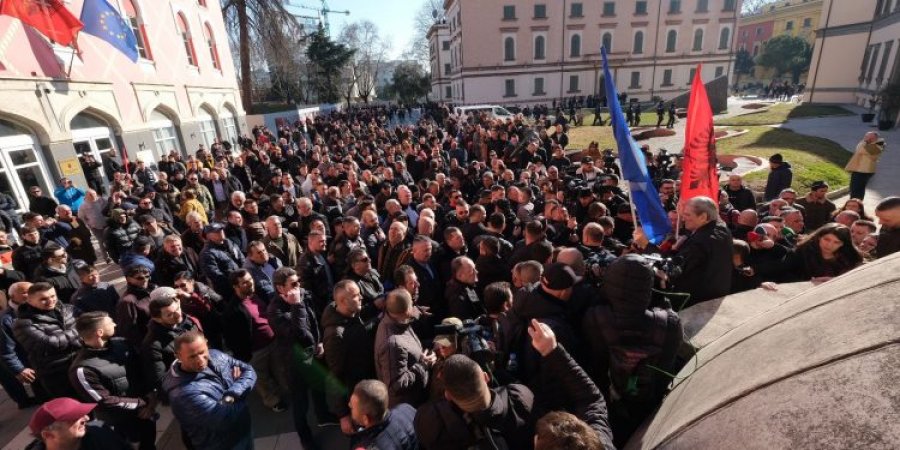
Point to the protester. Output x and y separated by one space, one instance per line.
400 361
888 213
381 427
863 163
63 423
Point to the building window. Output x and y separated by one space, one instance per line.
789 25
445 45
540 47
744 34
207 128
229 129
510 90
509 49
187 40
719 71
702 6
638 47
674 6
640 7
540 11
635 80
698 41
606 42
539 86
691 75
807 22
667 77
755 50
213 50
575 46
729 5
446 69
671 39
448 92
758 31
872 59
137 27
576 10
509 12
609 9
884 60
724 37
573 83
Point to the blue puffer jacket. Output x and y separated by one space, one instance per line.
196 400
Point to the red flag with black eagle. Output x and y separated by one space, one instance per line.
699 175
49 17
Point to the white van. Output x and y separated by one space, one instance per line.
493 111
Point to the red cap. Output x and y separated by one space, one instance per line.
62 409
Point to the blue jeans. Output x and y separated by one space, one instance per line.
858 182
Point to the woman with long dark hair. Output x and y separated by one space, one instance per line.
826 253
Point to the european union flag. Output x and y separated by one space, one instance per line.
103 21
634 167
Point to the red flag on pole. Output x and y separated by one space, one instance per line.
699 175
125 159
49 17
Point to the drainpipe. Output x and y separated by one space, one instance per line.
655 49
812 89
562 52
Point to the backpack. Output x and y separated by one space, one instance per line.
634 359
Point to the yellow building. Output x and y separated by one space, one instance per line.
799 18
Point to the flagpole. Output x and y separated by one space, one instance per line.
75 50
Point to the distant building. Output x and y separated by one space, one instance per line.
857 51
798 18
516 53
180 94
440 61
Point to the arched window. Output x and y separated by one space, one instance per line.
698 41
575 46
509 49
137 27
188 41
638 43
724 37
539 48
606 42
671 38
213 51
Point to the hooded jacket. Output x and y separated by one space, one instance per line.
779 179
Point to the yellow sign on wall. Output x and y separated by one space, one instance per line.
69 167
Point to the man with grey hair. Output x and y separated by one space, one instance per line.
705 254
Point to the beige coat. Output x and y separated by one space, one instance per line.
865 157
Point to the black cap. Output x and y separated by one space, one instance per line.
776 158
818 185
213 227
559 276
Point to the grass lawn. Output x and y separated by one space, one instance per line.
781 112
812 158
580 137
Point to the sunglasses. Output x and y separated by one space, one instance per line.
363 260
181 285
292 284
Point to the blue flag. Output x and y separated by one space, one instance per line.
634 167
103 21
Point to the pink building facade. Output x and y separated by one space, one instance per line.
180 94
519 52
752 36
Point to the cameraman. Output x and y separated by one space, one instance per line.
473 415
705 253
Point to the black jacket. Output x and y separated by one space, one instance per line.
741 199
102 297
119 237
513 412
318 279
706 263
27 258
66 283
217 261
110 377
48 337
349 353
158 349
431 287
295 326
167 266
778 180
462 301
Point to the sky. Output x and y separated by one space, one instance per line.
394 18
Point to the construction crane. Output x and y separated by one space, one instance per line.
324 11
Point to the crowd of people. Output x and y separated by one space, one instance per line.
457 282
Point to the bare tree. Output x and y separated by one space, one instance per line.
753 7
429 13
249 23
368 61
